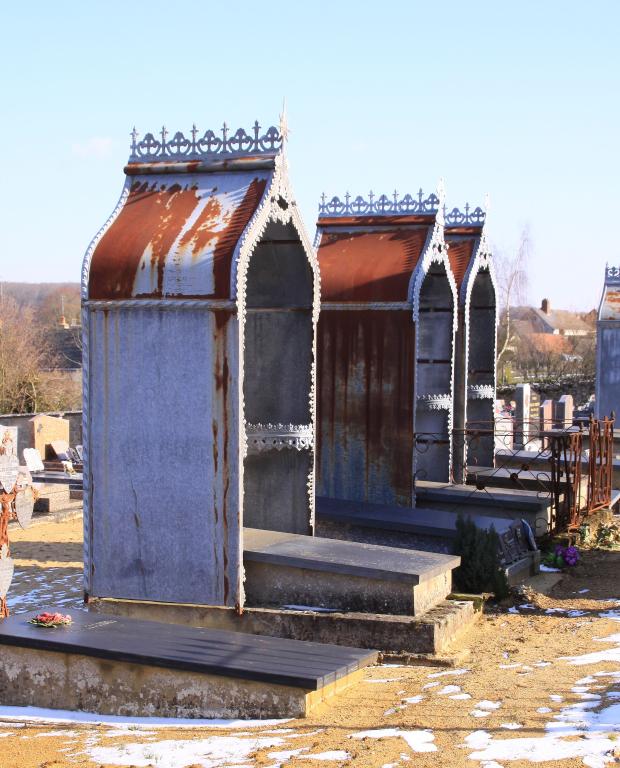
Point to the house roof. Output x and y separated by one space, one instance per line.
556 320
184 209
563 320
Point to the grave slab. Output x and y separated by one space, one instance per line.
286 568
124 666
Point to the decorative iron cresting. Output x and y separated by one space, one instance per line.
612 275
379 206
267 437
207 145
468 217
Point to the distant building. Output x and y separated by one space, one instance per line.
608 346
558 322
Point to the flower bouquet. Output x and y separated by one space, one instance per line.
562 557
51 620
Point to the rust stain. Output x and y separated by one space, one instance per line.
227 240
365 395
222 375
154 216
369 266
460 253
203 230
387 222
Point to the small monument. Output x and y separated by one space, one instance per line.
200 300
608 347
385 347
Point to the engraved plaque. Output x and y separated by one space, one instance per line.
9 469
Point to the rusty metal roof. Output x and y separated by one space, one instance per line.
372 264
461 250
184 208
175 236
368 248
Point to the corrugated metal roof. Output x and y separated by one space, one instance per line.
176 235
460 253
370 265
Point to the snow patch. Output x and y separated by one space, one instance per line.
450 672
448 689
57 716
418 740
213 752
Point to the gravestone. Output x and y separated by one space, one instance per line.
564 412
522 415
32 457
45 430
545 420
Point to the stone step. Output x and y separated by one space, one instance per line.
289 569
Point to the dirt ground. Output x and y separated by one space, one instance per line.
514 698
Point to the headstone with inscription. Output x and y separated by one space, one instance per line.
32 457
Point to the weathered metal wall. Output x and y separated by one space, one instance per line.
365 405
608 368
434 377
163 454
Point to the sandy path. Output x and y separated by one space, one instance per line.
514 685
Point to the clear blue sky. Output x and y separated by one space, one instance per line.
521 100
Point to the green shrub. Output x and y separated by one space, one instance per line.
480 569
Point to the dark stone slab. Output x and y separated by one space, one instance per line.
209 651
440 523
51 476
345 557
461 495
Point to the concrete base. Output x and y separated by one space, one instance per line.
431 633
32 677
269 585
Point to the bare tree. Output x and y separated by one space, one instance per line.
29 379
512 282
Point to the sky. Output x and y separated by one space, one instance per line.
517 100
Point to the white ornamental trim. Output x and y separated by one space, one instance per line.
268 437
481 392
441 402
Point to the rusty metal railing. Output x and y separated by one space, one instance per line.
600 465
551 462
